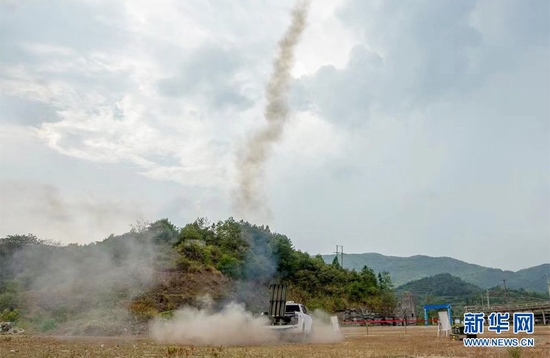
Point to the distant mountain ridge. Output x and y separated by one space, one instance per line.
443 285
406 269
446 288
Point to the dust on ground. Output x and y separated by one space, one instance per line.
378 342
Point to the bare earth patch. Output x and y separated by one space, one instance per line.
379 342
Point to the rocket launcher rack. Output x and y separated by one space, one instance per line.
277 303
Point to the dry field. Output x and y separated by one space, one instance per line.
380 342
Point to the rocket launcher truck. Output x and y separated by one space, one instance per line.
287 317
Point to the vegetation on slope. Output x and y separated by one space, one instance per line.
406 269
446 288
116 285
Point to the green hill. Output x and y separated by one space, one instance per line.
446 288
443 286
532 278
119 284
406 269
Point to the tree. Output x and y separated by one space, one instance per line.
384 280
164 232
335 262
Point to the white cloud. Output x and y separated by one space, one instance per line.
56 216
413 121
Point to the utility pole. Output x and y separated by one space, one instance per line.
548 283
340 255
488 305
505 292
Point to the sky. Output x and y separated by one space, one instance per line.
416 127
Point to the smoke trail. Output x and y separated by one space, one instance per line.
251 163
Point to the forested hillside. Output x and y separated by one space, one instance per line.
118 284
446 288
406 269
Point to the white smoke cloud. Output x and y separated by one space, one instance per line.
232 326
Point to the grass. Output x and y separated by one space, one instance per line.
514 352
380 342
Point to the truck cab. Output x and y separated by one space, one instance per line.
296 319
292 307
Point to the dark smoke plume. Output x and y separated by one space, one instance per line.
251 163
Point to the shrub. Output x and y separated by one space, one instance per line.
48 324
167 314
229 266
143 309
8 315
514 352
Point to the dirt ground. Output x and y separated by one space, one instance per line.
357 342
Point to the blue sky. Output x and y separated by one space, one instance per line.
417 127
